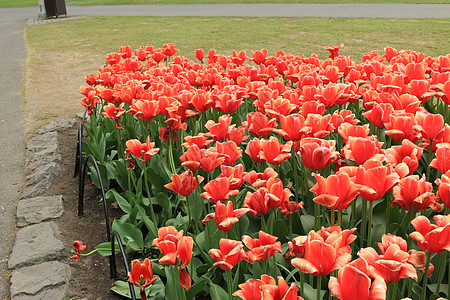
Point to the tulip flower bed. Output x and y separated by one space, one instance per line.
276 177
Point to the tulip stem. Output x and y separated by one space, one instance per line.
319 284
229 283
442 265
430 156
171 161
369 227
143 294
332 217
388 213
363 221
152 212
294 167
425 276
302 286
339 217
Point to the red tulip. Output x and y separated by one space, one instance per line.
334 51
320 126
225 216
251 289
347 130
378 179
201 140
353 283
420 89
292 127
282 291
432 125
141 275
321 257
229 151
273 151
219 131
400 126
361 150
336 191
392 266
199 54
183 184
146 110
218 190
78 246
442 160
259 125
444 188
432 238
262 248
343 117
143 151
379 114
176 250
407 153
416 258
316 153
411 191
229 254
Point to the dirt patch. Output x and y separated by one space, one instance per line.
52 92
90 275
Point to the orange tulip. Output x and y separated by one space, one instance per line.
320 126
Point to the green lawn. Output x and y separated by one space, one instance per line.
101 35
22 3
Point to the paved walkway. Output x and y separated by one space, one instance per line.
12 55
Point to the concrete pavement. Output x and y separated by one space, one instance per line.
12 55
271 10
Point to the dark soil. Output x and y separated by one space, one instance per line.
90 274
